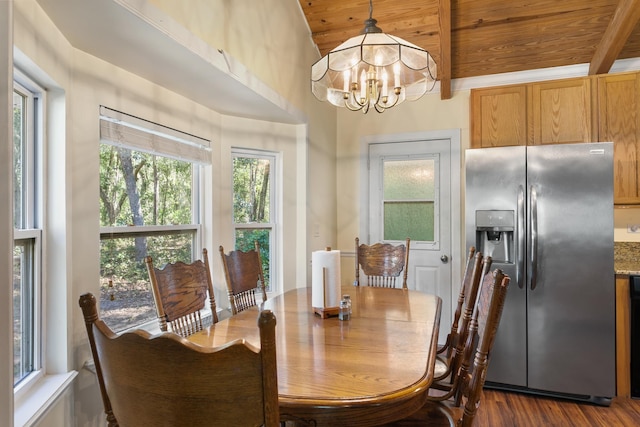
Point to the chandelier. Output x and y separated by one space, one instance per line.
373 69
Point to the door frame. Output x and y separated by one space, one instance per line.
457 242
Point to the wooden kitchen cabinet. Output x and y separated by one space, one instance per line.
562 113
623 337
499 116
553 112
619 121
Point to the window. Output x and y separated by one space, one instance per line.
253 206
409 198
27 194
149 206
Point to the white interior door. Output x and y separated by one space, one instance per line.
410 196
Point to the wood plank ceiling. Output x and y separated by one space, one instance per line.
469 38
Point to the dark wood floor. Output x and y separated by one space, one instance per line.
506 409
509 409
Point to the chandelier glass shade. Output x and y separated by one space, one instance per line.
373 70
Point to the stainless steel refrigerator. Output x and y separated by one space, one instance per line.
545 215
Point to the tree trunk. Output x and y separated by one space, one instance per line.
262 200
134 200
253 173
155 191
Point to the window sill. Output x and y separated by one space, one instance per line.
40 397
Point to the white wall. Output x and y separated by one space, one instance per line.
269 37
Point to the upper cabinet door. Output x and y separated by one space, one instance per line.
619 117
499 116
562 112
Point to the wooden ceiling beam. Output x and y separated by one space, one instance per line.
625 18
444 68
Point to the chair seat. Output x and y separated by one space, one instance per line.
441 368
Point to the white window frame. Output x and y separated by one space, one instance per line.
272 225
135 134
32 230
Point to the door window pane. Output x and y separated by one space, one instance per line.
409 199
408 179
409 219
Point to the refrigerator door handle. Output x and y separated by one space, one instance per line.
520 251
533 227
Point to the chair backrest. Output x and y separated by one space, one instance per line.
382 263
481 267
467 279
180 291
484 327
244 276
165 380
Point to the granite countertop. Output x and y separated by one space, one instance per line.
627 258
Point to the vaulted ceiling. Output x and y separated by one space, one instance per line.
469 38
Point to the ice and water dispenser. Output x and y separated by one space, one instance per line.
495 234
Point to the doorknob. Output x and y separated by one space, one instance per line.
444 259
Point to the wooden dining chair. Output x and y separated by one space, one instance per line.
165 380
180 291
382 263
244 277
446 385
447 363
467 280
460 407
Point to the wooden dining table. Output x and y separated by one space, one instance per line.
374 368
